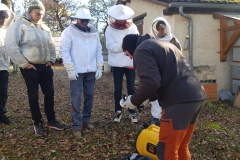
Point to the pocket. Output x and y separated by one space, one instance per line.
49 71
27 73
166 128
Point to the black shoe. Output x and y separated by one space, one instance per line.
4 119
38 129
56 125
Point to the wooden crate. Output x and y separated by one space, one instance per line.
211 91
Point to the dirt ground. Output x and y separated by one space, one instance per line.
216 137
114 140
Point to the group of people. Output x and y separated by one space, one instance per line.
166 77
120 25
167 80
31 47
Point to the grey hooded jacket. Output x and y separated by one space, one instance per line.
29 43
4 58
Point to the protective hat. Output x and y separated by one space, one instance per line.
83 13
10 18
120 17
129 43
36 4
132 41
120 12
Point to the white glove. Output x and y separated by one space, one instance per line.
127 103
98 74
72 75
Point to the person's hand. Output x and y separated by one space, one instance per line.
98 74
49 63
30 66
72 75
126 103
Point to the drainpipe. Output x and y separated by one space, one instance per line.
190 32
223 7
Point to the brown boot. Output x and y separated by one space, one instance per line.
77 134
88 126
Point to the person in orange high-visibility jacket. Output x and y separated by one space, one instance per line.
164 72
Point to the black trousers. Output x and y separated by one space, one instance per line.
43 76
3 91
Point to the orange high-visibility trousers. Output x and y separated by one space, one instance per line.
177 125
183 151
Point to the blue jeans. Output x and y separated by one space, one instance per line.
85 82
43 76
118 73
3 91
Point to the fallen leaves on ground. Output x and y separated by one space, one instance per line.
216 137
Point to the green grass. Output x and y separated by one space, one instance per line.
217 133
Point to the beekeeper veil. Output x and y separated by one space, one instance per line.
7 14
120 16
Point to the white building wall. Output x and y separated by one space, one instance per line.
206 41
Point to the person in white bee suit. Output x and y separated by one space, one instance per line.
161 30
81 52
119 25
6 18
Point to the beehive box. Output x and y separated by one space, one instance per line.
211 91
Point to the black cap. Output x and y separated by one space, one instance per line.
130 43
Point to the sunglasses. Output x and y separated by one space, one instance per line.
84 20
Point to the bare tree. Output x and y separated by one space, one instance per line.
99 9
57 15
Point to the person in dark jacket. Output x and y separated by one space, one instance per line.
165 72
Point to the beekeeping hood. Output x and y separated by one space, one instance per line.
10 18
154 31
122 13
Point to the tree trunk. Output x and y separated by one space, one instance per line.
6 2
